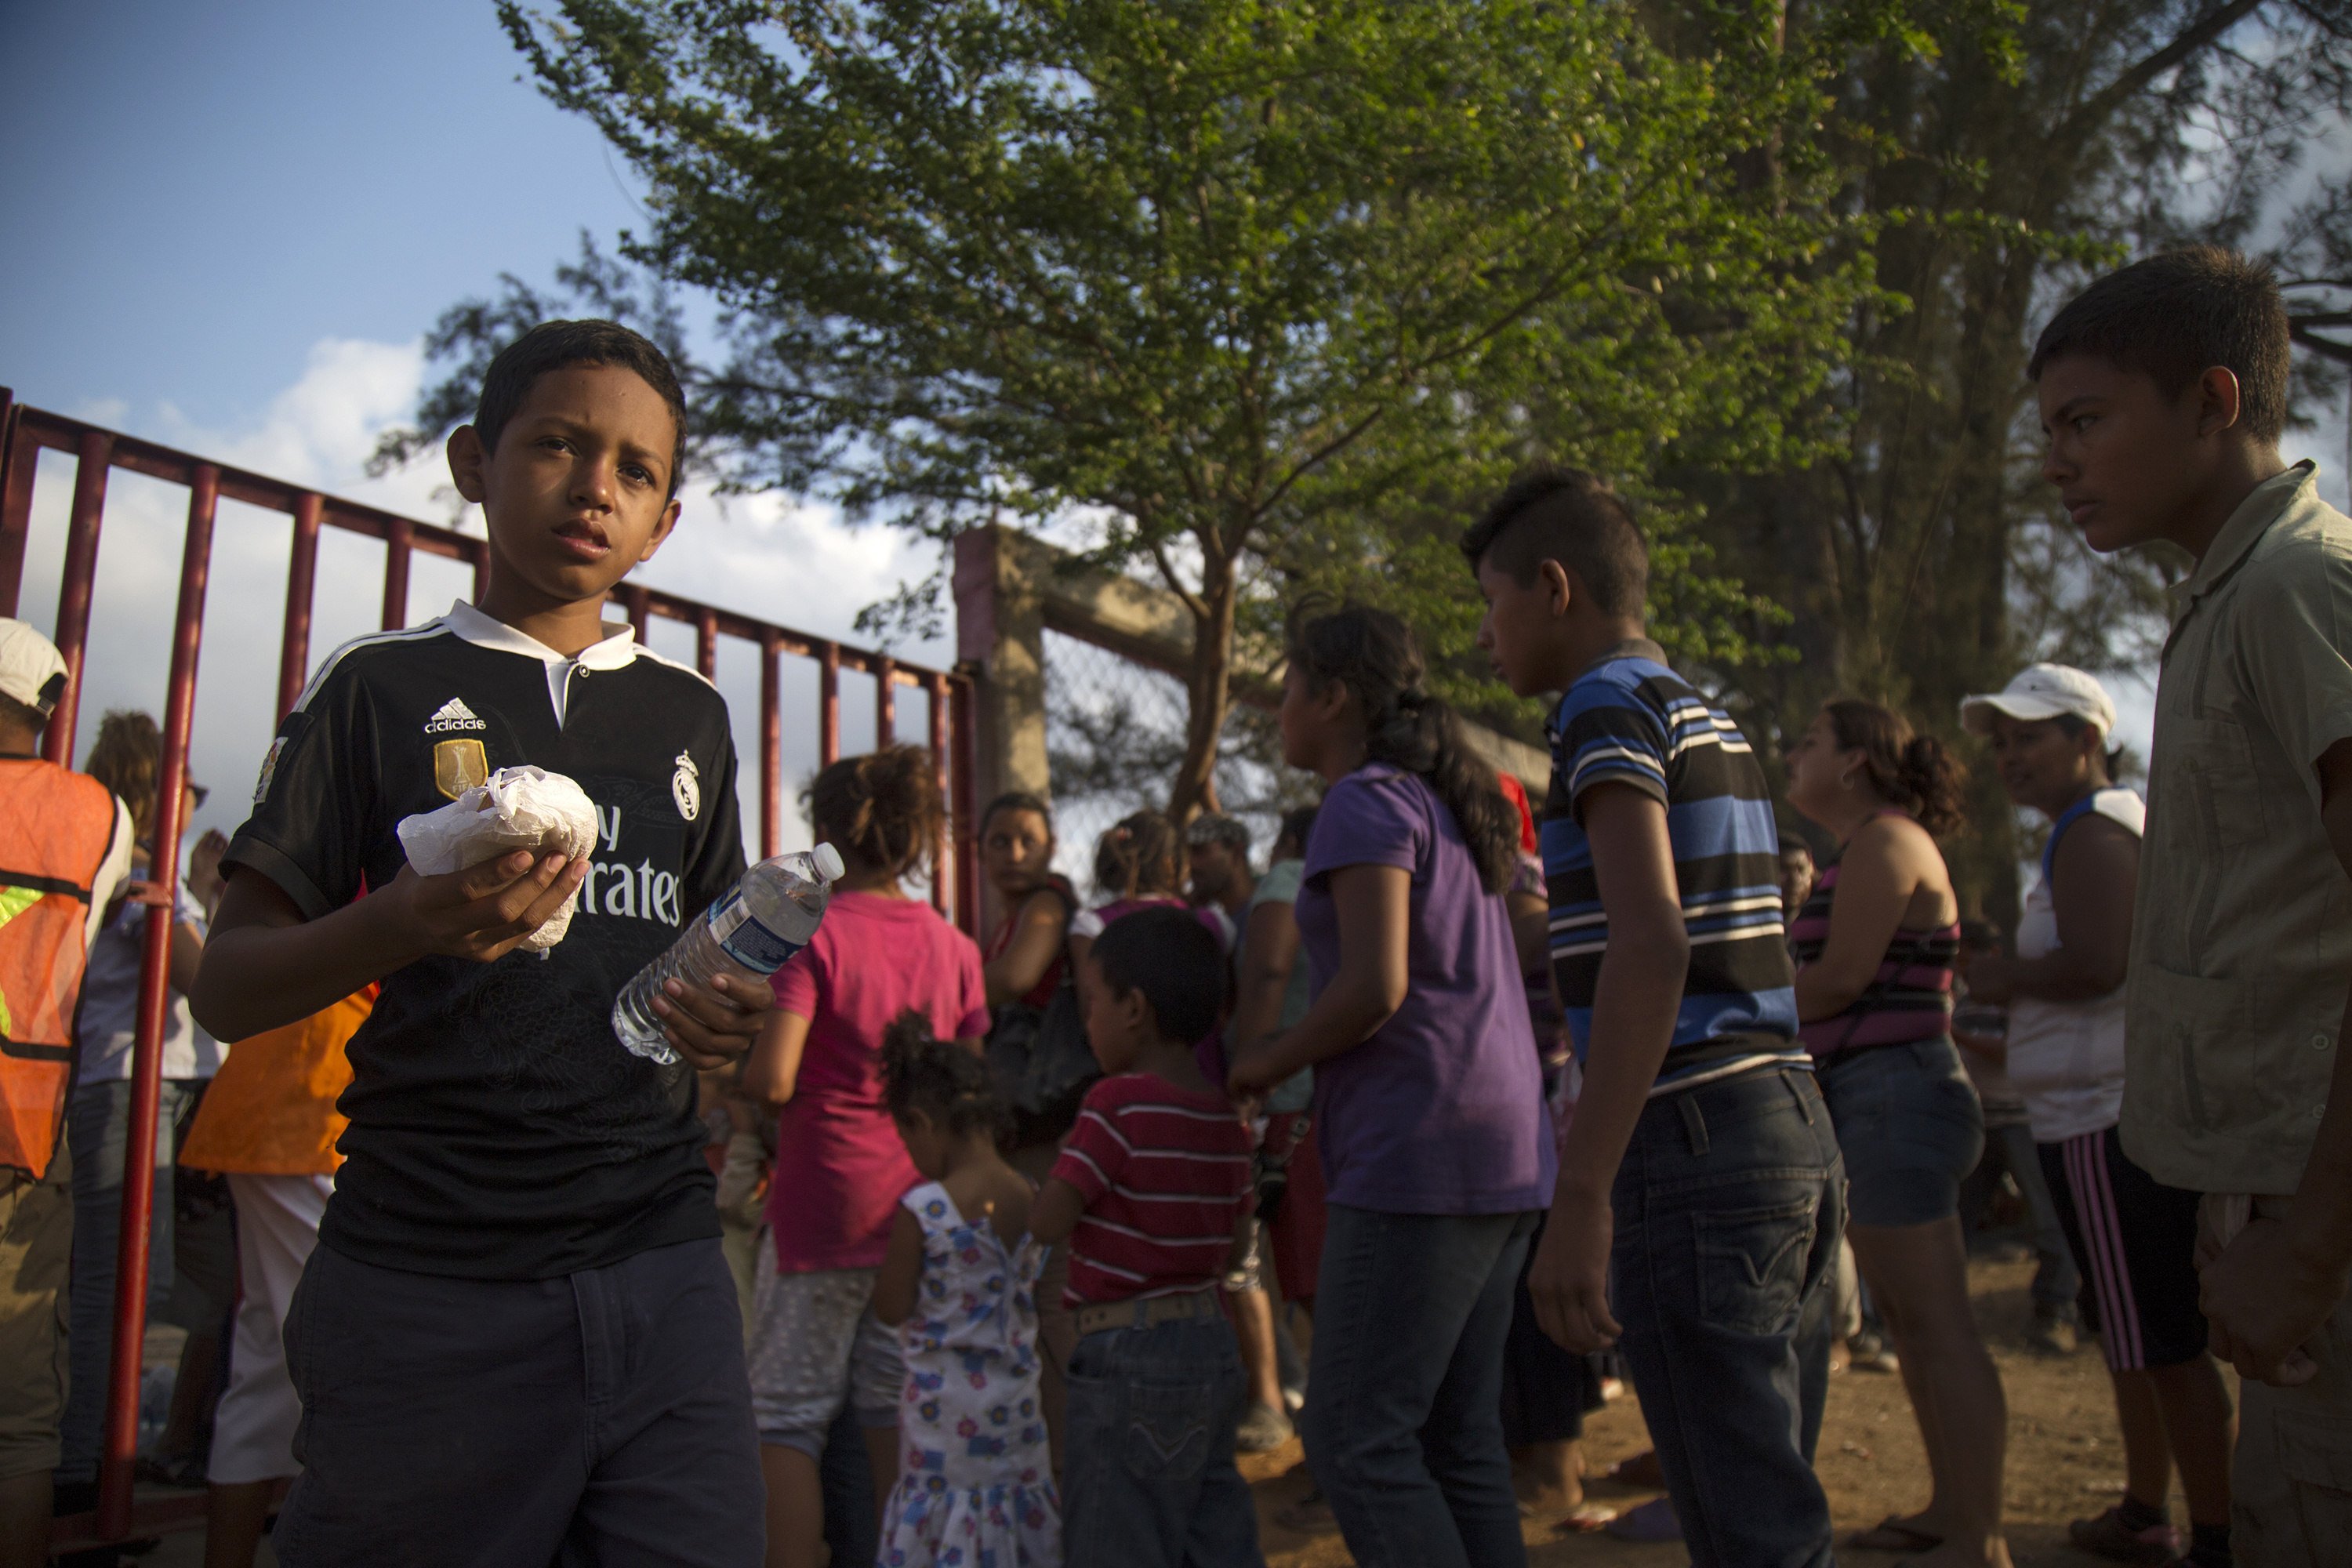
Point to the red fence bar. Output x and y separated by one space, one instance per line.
35 429
771 749
963 807
942 872
18 458
828 704
706 643
301 592
397 542
885 702
147 1058
73 593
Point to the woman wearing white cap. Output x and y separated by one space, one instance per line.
2134 1238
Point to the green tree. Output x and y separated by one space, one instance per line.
1923 557
1250 281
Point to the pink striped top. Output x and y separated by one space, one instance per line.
1910 997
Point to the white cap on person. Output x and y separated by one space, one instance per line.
2042 692
32 671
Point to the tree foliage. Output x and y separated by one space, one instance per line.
1267 287
1924 557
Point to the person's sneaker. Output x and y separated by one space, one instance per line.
2109 1537
1263 1430
2050 1336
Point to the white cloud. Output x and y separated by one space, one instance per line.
761 555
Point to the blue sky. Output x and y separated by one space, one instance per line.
229 227
213 189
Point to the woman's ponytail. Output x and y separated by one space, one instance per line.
1912 770
1374 655
885 806
1933 776
1138 857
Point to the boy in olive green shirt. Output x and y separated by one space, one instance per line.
2163 393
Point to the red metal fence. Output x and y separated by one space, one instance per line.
23 432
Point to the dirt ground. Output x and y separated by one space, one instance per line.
2065 1458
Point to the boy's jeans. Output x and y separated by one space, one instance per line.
1148 1476
1404 1397
1728 1209
98 1125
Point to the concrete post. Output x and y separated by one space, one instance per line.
1001 637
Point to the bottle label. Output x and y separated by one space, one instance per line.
745 940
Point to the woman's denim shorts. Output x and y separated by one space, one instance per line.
1908 1122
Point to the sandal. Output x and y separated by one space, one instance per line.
1584 1519
1651 1521
1891 1534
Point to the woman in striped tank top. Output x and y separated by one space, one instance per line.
1875 946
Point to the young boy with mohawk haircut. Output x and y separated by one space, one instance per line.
518 1341
1701 1169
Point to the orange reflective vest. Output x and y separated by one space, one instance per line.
271 1110
56 829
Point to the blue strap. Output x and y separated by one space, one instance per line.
2066 819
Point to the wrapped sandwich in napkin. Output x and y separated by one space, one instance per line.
520 808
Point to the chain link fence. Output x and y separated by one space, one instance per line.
1115 740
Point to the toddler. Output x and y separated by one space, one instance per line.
960 1285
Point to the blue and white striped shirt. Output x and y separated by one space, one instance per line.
1630 720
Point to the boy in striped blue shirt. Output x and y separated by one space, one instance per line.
1701 1167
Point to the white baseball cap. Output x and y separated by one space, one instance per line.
32 671
2042 692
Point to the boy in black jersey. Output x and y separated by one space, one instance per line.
518 1341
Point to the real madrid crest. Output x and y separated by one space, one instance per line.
685 788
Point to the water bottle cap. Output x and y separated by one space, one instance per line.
827 860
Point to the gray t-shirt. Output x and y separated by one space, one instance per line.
106 1025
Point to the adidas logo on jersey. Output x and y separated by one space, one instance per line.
453 716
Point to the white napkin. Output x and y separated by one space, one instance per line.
520 808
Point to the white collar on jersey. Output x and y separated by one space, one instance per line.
618 649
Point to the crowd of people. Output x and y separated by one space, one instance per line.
937 1251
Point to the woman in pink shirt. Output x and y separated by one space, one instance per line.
841 1167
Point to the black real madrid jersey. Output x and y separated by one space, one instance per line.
498 1129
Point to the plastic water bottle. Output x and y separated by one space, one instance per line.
768 916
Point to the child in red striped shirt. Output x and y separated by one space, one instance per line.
1151 1189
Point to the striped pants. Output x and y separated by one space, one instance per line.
2135 1240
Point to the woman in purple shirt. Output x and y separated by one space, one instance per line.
1428 1101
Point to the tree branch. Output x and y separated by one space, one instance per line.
1192 602
2214 25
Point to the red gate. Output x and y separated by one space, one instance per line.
23 432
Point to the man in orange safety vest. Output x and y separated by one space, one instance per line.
64 847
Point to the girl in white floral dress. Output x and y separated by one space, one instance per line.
975 1481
